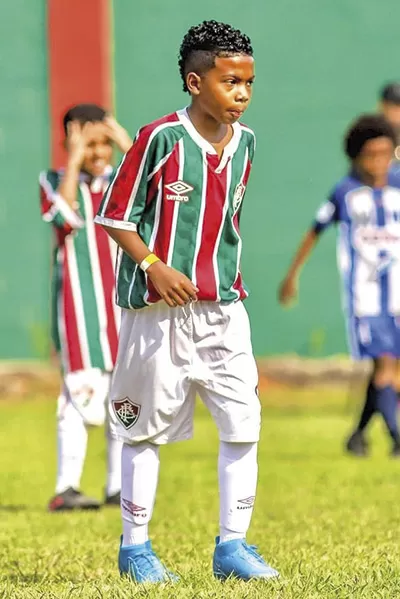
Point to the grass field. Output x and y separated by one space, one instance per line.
328 522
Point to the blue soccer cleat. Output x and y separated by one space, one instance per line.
141 564
239 560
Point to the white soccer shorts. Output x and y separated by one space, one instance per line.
168 355
87 390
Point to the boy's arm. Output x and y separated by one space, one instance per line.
76 144
122 211
326 215
171 285
118 134
55 210
289 286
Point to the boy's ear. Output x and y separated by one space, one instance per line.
193 82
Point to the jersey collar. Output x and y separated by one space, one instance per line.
205 145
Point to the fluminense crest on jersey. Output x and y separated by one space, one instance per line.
126 411
180 191
238 196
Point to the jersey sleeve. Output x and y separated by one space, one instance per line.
327 214
130 190
54 208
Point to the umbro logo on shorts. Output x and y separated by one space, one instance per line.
180 191
126 411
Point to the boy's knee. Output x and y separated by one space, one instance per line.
384 372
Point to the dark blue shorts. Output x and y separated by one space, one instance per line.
374 336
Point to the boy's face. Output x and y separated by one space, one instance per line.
375 157
224 92
98 152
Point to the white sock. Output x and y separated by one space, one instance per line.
140 466
71 446
114 449
237 474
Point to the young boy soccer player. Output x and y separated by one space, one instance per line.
85 320
366 206
174 210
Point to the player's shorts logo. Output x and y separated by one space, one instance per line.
180 191
126 411
238 196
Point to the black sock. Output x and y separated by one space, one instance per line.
369 408
386 404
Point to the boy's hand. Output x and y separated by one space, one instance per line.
288 291
77 136
117 134
171 285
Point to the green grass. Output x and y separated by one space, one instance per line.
328 522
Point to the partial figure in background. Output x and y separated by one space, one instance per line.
365 205
389 106
85 319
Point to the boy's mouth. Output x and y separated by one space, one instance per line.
236 113
98 164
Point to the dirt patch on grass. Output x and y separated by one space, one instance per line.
30 379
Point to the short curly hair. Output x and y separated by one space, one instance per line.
365 128
204 42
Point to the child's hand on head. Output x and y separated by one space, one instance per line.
117 133
77 139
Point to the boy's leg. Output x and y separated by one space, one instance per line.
71 453
376 338
71 445
386 396
140 466
151 403
369 408
357 443
114 448
237 474
113 484
227 378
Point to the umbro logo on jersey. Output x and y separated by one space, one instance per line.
180 191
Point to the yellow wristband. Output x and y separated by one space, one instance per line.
148 261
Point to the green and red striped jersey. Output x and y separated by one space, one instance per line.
85 319
185 203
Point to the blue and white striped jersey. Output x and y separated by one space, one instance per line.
368 246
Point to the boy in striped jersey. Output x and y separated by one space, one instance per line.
174 209
85 319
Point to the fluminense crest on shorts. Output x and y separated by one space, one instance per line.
126 411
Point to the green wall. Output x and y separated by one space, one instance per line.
318 64
25 243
